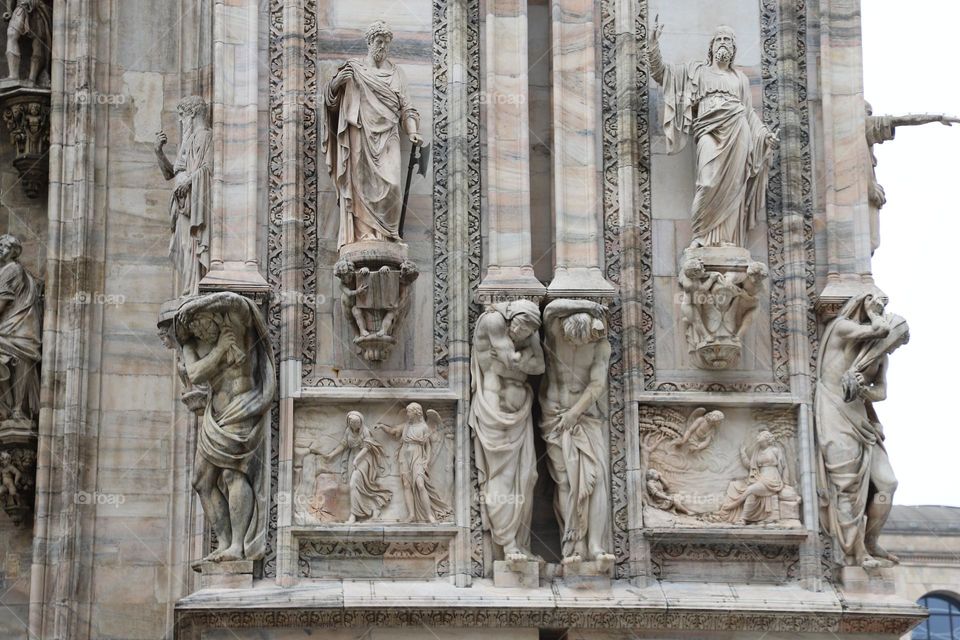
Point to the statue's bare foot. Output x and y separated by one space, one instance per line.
513 553
879 553
235 552
216 555
604 561
352 519
575 558
869 562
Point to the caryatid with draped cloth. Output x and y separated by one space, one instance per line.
506 350
573 424
856 481
364 105
226 346
711 101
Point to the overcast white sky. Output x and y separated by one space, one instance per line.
911 66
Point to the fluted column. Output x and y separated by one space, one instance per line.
579 224
509 271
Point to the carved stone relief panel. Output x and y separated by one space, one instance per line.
388 462
709 467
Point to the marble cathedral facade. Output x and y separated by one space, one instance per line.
443 319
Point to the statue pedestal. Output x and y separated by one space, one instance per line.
721 287
587 575
513 575
234 574
379 278
858 580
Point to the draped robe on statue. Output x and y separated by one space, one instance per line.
849 434
361 146
505 459
20 336
190 214
716 108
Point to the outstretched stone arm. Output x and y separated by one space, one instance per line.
915 119
654 56
203 369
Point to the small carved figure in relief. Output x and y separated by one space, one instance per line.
766 494
366 464
574 426
506 350
32 19
879 130
696 284
365 105
9 478
749 287
190 204
711 101
419 440
226 346
20 328
349 290
659 496
408 274
701 427
855 478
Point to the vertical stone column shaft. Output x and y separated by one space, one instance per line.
508 147
575 144
846 176
236 156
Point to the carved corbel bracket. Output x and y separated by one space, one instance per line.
18 468
26 113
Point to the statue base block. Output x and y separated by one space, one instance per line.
233 574
722 259
516 575
587 575
374 252
862 581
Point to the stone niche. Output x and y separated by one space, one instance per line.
351 517
689 27
330 332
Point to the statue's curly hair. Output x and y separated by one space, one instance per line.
378 28
191 106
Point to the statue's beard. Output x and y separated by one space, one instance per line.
723 54
379 55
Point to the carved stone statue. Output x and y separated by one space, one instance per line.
879 130
10 478
190 203
20 334
31 19
659 496
367 495
365 105
574 426
506 350
718 305
855 478
702 425
419 440
226 346
711 102
765 495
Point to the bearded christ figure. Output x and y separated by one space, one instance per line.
711 101
365 104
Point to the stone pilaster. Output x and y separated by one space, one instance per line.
234 263
510 271
846 176
579 263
